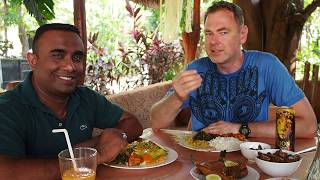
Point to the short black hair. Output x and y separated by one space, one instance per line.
53 26
219 5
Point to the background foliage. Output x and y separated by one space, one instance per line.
141 59
309 50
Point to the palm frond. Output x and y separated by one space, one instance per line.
41 10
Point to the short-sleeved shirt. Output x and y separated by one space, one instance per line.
243 96
26 124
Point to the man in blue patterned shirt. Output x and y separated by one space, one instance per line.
230 90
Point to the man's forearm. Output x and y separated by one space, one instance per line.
89 143
306 121
268 129
305 128
25 169
263 129
165 111
131 126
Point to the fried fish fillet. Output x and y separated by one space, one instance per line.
237 170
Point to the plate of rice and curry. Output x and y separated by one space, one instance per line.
202 141
144 154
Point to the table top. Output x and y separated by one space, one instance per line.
180 169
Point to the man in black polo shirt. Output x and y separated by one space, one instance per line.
51 98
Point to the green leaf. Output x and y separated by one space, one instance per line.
41 10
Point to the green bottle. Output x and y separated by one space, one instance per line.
314 170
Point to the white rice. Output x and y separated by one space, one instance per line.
225 143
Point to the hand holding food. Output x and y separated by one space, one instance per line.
110 144
186 82
141 153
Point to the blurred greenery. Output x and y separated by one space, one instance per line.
127 49
41 10
309 50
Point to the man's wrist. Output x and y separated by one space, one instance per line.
244 129
178 97
237 128
124 135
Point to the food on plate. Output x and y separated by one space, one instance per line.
250 149
238 170
201 135
238 136
274 164
225 143
214 141
259 148
213 177
196 143
226 169
141 153
279 157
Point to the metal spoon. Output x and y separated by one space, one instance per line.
306 150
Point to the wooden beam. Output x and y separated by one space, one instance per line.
79 14
190 40
80 19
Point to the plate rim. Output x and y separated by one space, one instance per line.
172 156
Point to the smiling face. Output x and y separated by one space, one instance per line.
57 64
223 38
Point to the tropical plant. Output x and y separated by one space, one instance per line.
13 13
103 71
309 50
41 10
144 59
310 44
152 57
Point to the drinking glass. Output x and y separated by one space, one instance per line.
82 167
314 170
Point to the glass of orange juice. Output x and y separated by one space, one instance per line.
82 167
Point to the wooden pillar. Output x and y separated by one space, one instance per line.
315 72
314 98
190 40
79 15
306 76
80 19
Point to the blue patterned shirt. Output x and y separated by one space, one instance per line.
242 96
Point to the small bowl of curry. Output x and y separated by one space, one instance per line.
250 149
278 163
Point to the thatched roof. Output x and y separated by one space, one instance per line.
148 3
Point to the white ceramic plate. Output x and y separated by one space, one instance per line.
172 156
252 174
181 141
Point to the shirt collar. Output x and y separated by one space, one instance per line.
29 96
